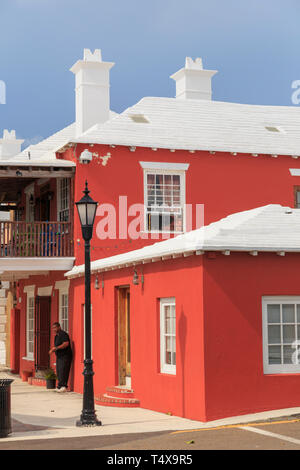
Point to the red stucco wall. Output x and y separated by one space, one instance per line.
223 182
181 395
233 288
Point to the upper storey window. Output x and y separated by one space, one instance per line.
64 199
164 197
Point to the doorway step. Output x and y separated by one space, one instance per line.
118 396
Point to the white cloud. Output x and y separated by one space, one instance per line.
32 141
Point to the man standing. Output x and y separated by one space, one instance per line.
63 351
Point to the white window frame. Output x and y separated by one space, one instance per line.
164 367
60 209
29 290
279 368
63 289
163 168
64 310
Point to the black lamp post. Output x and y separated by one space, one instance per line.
87 210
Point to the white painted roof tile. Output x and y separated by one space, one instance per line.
203 125
45 150
271 228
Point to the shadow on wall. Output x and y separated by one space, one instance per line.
71 376
182 326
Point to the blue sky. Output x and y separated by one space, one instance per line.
254 44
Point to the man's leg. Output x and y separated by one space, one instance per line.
66 365
59 367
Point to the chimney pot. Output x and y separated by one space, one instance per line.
9 145
92 90
193 81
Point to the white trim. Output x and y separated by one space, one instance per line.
29 289
295 171
45 291
30 296
36 264
165 171
25 358
29 189
62 285
276 368
164 166
63 289
165 368
63 322
58 192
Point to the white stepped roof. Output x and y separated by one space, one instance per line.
271 228
202 125
44 152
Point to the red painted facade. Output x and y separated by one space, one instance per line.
224 183
218 300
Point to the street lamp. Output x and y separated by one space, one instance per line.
87 210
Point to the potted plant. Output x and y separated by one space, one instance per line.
50 377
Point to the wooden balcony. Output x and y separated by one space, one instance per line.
36 239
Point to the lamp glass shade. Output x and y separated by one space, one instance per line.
86 209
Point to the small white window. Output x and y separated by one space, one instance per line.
30 327
164 201
168 335
64 311
63 199
281 334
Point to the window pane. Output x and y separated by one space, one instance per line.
163 201
168 350
288 333
274 354
287 354
288 313
167 320
273 313
298 313
274 334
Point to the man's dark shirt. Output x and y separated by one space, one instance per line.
59 339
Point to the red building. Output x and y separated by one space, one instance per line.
161 170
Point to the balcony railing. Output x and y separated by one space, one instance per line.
35 239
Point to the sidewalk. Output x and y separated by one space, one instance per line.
38 413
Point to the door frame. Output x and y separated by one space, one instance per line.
37 331
123 334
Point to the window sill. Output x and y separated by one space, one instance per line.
168 373
161 233
28 359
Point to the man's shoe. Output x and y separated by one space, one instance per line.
62 389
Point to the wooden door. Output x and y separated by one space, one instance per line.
42 332
45 208
124 334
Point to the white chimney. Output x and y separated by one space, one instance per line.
193 82
92 90
9 145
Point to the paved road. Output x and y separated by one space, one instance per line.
275 434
